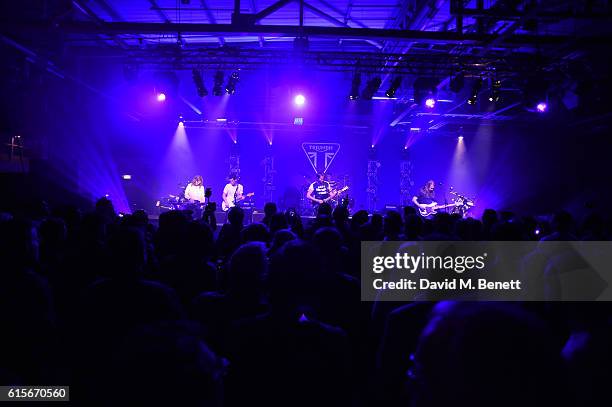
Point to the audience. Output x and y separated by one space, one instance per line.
129 311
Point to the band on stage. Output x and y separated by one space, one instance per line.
196 197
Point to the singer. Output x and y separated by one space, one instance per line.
426 196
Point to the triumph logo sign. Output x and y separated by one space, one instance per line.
320 155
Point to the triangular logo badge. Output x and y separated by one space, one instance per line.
320 155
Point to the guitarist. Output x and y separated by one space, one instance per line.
426 196
232 192
319 191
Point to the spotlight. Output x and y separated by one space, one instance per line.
126 177
299 100
495 91
199 82
371 88
181 120
430 102
395 84
218 86
425 89
460 138
298 121
230 88
355 84
535 93
542 107
474 93
166 83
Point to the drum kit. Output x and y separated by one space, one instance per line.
462 204
180 203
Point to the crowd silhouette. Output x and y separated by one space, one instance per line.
180 312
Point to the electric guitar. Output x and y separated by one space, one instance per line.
225 206
432 208
334 193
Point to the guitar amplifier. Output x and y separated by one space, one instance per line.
258 216
221 217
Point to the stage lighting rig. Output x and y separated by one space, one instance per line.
425 91
299 100
495 95
218 85
198 80
233 80
474 92
535 94
371 88
395 84
542 107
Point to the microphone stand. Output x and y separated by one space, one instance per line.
445 202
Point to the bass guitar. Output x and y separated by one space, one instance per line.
432 208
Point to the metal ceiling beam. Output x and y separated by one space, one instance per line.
324 15
349 9
159 12
83 8
515 15
109 10
254 10
269 10
336 10
211 18
314 31
347 18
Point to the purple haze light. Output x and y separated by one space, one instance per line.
541 107
161 97
299 100
430 102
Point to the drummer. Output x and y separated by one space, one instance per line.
195 190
